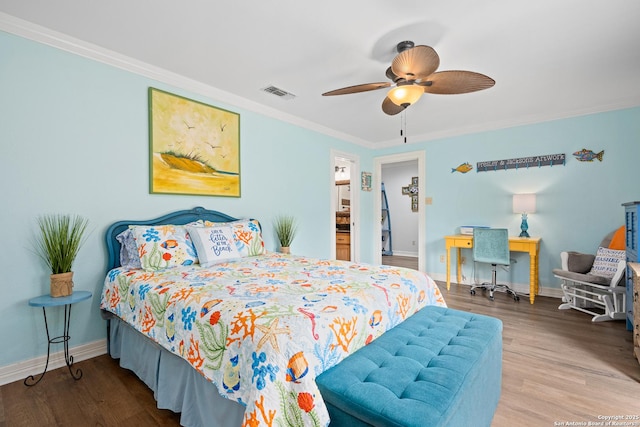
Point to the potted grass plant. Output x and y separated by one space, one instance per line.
58 244
286 228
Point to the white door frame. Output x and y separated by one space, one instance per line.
354 171
377 202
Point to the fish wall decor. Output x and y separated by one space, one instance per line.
463 168
585 155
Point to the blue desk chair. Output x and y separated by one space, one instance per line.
491 246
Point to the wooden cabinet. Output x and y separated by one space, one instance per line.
343 246
343 220
343 236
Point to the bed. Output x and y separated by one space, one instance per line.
230 334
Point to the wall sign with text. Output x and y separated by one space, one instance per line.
521 163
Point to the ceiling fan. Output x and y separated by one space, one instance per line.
413 72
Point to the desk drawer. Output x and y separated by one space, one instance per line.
462 243
519 247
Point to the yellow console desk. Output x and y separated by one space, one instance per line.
516 244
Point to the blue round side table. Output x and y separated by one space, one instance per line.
45 301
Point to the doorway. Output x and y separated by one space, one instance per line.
415 162
344 206
400 232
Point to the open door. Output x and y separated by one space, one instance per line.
345 170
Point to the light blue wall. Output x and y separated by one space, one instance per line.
577 204
74 138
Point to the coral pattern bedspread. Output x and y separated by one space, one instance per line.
262 328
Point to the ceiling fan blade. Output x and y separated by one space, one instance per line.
416 63
357 88
390 108
454 82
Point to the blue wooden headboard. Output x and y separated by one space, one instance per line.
177 217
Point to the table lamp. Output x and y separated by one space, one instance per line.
524 204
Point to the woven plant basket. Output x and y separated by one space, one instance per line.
285 250
62 284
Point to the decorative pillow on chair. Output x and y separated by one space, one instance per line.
163 246
606 262
214 244
579 262
618 239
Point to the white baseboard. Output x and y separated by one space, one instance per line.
21 370
521 288
550 292
405 253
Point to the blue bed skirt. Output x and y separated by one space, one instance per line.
176 385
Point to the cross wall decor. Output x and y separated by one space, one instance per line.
412 191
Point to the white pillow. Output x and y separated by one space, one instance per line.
606 262
214 244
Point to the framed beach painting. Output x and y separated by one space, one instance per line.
194 148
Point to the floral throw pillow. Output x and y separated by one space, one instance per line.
163 246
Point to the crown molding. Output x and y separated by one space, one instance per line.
40 34
620 104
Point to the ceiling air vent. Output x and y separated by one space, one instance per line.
279 92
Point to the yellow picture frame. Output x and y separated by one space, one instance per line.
194 148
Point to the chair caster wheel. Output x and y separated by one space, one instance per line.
472 291
516 298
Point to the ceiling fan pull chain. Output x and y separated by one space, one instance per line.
403 126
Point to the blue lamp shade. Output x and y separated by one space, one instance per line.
524 204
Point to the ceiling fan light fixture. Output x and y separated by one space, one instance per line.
413 72
405 94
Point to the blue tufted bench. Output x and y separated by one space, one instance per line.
440 367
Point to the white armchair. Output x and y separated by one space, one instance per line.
601 294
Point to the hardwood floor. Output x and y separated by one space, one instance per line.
106 395
558 367
400 261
